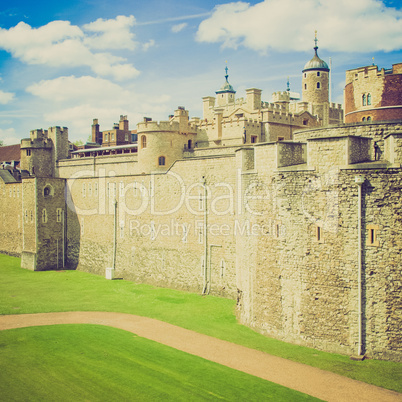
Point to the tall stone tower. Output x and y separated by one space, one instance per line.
315 83
226 95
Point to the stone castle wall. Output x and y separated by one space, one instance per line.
11 218
303 289
273 225
160 225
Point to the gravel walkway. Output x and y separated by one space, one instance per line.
319 383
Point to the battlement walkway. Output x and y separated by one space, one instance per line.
309 380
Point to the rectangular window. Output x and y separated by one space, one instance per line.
372 235
82 226
319 234
112 135
121 189
31 216
96 189
89 190
254 139
28 152
58 214
44 216
83 190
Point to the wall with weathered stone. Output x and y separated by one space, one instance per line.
29 223
51 224
376 131
111 165
303 289
10 218
160 225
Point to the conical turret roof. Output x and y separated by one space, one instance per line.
316 63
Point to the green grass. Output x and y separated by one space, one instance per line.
23 291
93 363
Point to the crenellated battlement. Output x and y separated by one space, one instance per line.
57 130
150 126
281 96
373 72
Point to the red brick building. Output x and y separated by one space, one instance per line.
373 95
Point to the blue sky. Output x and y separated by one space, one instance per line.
67 62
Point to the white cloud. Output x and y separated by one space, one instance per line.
149 44
74 101
343 25
81 89
179 27
6 97
9 136
60 44
111 34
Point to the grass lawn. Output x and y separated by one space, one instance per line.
93 363
23 291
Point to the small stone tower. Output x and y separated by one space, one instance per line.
160 144
315 83
43 149
226 95
36 154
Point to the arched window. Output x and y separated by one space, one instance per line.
368 99
161 161
318 85
305 86
143 141
318 74
364 100
44 215
369 118
363 119
48 191
189 144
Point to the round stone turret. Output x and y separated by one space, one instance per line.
315 80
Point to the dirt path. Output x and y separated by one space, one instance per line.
319 383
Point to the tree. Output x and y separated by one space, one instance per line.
1 143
